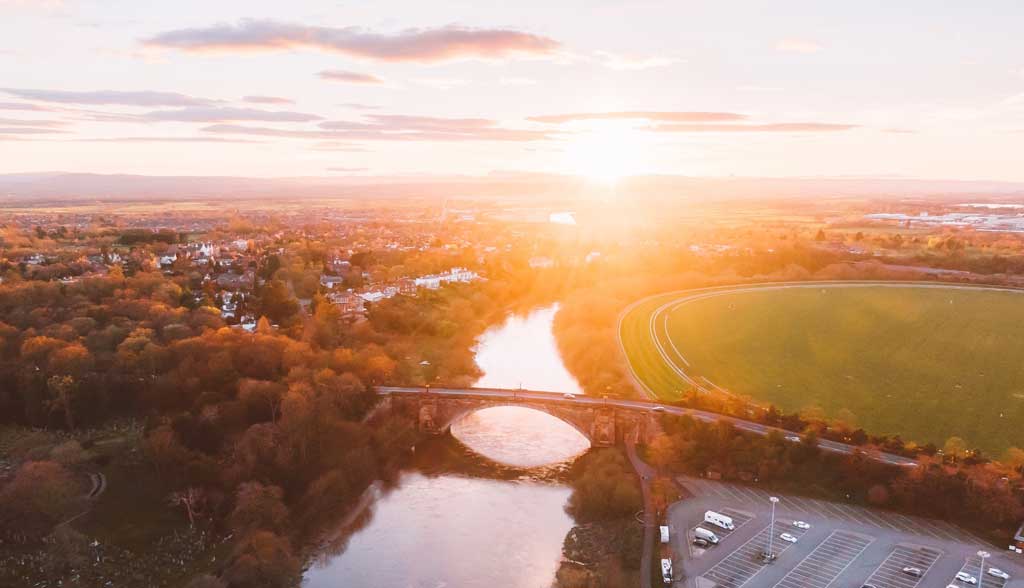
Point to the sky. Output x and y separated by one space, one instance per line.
602 88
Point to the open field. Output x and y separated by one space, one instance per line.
924 361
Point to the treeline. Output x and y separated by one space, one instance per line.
259 435
979 496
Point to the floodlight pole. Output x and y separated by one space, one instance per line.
771 527
981 573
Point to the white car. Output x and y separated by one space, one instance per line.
998 573
911 571
801 525
658 409
966 578
787 538
792 438
569 396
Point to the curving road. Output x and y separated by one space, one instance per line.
513 396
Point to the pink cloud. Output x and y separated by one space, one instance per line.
267 100
226 114
415 45
137 98
23 106
662 116
17 122
349 77
798 127
394 128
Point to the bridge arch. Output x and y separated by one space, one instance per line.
578 424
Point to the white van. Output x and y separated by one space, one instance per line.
664 533
719 520
706 535
666 571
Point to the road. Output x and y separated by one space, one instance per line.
646 474
640 406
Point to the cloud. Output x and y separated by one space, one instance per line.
694 122
338 146
23 106
349 77
27 131
267 100
227 114
793 45
15 122
393 127
632 62
167 140
649 115
427 45
798 127
140 98
359 106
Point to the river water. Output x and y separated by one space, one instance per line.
500 523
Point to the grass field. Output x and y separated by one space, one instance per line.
926 363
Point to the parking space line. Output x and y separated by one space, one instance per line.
890 574
821 567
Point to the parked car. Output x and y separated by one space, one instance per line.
966 578
801 525
788 538
912 571
998 573
701 542
569 396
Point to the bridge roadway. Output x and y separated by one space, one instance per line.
637 405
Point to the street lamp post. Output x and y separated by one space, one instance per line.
981 573
771 528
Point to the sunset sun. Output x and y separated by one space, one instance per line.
606 152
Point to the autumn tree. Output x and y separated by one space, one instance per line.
41 493
258 507
262 560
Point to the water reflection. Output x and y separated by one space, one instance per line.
522 353
520 437
492 515
454 531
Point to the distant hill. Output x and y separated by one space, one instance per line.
37 187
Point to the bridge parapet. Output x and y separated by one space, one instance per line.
603 426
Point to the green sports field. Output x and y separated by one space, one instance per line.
926 363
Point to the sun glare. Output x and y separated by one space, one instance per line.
606 152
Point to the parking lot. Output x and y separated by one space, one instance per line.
829 559
890 573
846 546
737 568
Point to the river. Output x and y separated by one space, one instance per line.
498 522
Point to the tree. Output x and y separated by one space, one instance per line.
62 390
277 302
955 447
263 560
41 493
258 507
193 499
206 581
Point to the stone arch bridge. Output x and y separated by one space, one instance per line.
604 422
